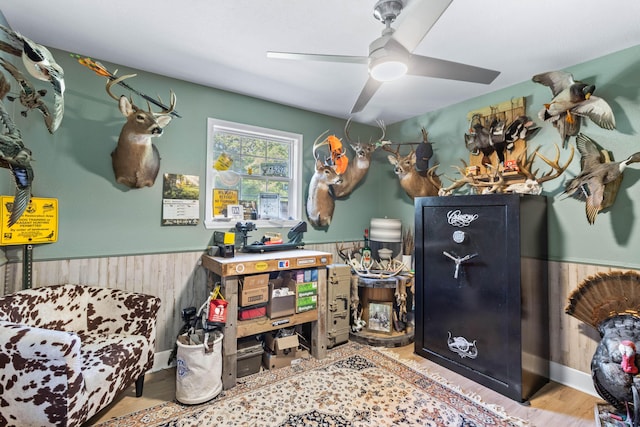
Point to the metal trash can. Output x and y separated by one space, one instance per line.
198 366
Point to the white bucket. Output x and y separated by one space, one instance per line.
199 373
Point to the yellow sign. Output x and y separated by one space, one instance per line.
38 223
222 198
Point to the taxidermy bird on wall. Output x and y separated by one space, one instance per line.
521 128
610 303
571 98
29 97
39 63
15 157
599 180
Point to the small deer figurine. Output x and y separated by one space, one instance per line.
360 166
320 203
412 182
136 160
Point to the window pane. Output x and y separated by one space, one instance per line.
253 161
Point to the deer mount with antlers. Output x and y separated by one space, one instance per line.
359 166
136 160
412 181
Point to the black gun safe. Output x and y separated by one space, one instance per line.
481 289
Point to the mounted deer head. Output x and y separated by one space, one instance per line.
412 182
136 160
360 165
320 203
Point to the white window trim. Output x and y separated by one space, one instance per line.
295 205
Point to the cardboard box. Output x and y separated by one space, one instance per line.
282 301
253 296
254 290
256 281
306 303
281 352
281 346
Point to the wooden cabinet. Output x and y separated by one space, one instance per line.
481 289
228 271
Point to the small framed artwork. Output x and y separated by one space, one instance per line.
380 317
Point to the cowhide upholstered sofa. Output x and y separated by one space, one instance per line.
66 351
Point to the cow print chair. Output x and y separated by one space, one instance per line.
66 351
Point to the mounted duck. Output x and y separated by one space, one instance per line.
598 182
571 97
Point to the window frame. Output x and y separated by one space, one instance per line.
295 181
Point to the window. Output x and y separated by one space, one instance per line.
256 168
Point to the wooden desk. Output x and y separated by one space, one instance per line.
227 271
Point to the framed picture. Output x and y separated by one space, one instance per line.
269 206
380 316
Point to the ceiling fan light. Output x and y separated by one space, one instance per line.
385 71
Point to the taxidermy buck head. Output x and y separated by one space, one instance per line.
136 160
414 183
320 203
360 165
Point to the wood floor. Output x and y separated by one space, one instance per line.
554 405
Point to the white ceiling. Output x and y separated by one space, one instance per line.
223 44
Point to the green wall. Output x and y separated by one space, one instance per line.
101 218
614 239
98 217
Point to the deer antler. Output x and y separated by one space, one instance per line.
165 111
525 165
395 152
383 128
379 142
116 81
555 165
496 184
431 175
319 142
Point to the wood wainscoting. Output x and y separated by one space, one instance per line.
180 281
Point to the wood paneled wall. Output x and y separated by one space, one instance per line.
180 281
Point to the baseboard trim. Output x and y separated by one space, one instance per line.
161 361
573 378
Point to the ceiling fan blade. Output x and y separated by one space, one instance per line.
420 15
443 69
318 57
369 89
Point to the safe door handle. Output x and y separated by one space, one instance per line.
458 261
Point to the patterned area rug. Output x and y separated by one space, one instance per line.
355 385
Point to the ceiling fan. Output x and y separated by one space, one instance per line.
390 55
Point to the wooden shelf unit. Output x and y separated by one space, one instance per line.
228 271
